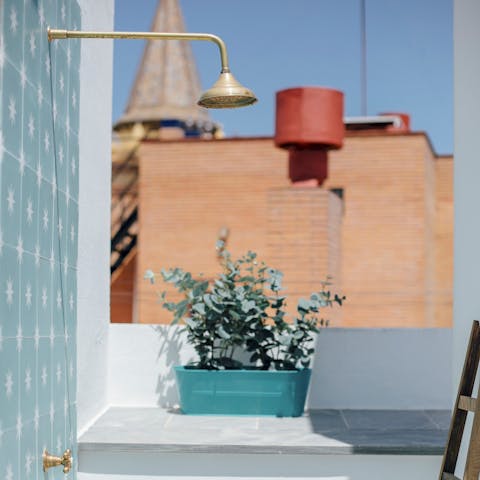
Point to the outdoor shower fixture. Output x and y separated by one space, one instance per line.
227 92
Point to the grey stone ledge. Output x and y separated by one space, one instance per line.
322 432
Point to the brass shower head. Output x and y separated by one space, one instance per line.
227 92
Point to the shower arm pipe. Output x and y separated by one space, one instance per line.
54 34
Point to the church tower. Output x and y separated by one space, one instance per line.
164 96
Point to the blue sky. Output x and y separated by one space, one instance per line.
275 44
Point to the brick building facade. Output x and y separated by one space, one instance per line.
381 225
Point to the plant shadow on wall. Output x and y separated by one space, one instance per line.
238 321
171 343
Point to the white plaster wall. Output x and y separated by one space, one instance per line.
93 307
466 287
96 466
382 368
353 368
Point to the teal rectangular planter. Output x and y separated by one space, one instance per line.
242 392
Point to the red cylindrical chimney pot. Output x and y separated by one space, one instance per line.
309 117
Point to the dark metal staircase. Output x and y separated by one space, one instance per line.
124 217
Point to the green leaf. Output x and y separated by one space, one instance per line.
247 305
199 308
149 275
303 305
199 289
222 333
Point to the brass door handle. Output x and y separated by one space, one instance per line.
50 461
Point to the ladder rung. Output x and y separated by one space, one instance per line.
449 476
468 404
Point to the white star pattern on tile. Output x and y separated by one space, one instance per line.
60 227
29 211
11 199
40 95
28 463
9 472
65 265
52 260
31 126
21 163
59 373
2 53
44 376
28 296
54 185
8 384
52 413
70 301
19 426
69 56
59 300
1 434
36 418
60 154
67 335
13 20
61 81
28 380
19 338
41 15
19 249
52 336
39 174
63 13
74 100
46 142
37 255
67 194
36 338
74 166
44 297
12 110
70 370
59 443
1 242
65 406
33 44
54 109
23 75
9 291
67 126
47 64
2 147
72 233
45 219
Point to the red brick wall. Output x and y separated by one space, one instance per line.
444 241
387 181
391 220
122 291
303 239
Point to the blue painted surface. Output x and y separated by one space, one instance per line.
242 392
38 234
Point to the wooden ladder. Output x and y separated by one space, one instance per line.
465 403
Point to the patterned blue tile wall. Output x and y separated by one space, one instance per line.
39 85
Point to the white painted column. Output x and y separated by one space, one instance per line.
466 306
94 211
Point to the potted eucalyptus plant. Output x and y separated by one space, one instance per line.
252 359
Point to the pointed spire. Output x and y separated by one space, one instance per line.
167 86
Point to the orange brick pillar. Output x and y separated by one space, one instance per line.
304 241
